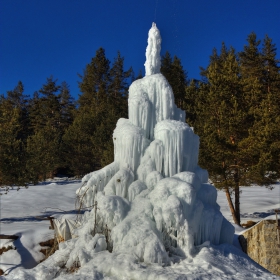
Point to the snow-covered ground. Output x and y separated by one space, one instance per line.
20 213
19 209
256 203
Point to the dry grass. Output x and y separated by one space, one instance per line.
50 246
5 249
75 267
248 224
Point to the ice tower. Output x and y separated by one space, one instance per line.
154 196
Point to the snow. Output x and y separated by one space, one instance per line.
209 261
256 203
153 206
19 210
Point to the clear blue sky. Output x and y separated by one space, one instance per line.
59 37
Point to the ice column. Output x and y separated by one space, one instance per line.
152 64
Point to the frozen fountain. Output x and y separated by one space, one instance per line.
154 215
154 197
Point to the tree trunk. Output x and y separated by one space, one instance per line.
237 203
231 207
237 193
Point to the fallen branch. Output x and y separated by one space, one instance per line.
4 236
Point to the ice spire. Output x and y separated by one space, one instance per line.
153 62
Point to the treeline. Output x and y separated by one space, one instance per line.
234 108
50 133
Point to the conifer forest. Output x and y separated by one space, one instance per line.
234 108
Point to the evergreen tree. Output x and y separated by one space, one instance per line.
173 71
192 101
117 107
179 82
102 102
166 66
43 145
19 101
78 143
251 70
95 81
263 145
118 86
45 108
12 148
67 107
92 112
140 75
237 118
44 156
220 124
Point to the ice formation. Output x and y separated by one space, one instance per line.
154 199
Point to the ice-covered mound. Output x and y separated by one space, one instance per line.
153 202
171 208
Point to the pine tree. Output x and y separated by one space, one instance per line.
118 87
12 148
93 104
67 107
20 101
95 81
175 74
139 76
191 101
166 66
237 118
43 145
179 82
44 156
251 70
263 145
45 107
78 143
102 102
220 124
117 107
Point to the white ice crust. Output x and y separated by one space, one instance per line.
154 198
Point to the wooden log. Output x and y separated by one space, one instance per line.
4 236
47 218
51 221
